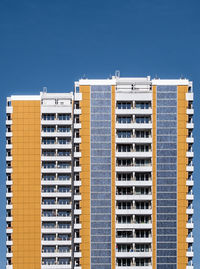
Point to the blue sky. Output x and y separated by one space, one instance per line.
55 42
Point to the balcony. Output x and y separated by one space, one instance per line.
190 196
9 255
190 154
77 125
9 243
190 253
190 211
190 182
190 111
190 125
190 168
190 239
189 225
190 140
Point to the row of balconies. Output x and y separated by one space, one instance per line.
133 111
59 169
133 254
61 254
133 212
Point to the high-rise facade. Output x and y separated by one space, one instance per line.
101 178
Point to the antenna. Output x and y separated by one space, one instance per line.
117 73
44 89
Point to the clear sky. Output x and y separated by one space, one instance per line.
55 42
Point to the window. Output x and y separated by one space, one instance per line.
142 247
142 219
49 201
47 141
49 164
63 213
64 236
142 205
49 237
142 148
63 260
63 201
124 105
48 249
48 153
124 148
48 188
62 152
124 134
124 120
49 129
49 177
63 129
63 248
142 191
49 224
48 213
142 261
142 162
124 262
142 105
142 119
63 177
63 141
63 189
124 205
63 225
124 191
141 134
124 162
124 234
49 261
142 176
63 165
124 177
143 233
124 248
124 219
48 116
64 116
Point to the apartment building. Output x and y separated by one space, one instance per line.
101 178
